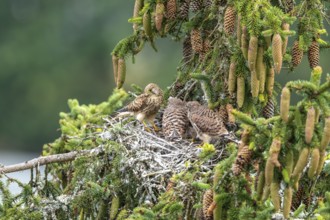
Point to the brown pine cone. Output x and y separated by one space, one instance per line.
288 5
297 197
207 3
297 54
223 114
196 5
229 20
207 201
159 15
268 110
243 157
196 40
171 9
184 9
314 54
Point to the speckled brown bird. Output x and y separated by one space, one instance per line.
145 106
175 120
207 124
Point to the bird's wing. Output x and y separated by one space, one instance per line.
195 121
152 105
138 104
203 123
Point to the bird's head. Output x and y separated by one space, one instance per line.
192 104
175 101
153 89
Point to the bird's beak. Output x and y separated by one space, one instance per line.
155 91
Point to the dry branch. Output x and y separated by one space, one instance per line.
56 158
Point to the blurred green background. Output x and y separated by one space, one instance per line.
51 51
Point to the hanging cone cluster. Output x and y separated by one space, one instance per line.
207 201
196 40
297 54
187 49
171 9
314 54
184 9
196 5
268 110
243 158
229 20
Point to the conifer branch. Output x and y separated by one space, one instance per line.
43 160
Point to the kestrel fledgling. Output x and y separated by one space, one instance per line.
145 106
207 124
175 120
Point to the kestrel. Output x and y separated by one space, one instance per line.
207 124
145 106
175 120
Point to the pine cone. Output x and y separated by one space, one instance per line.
223 114
184 9
288 5
159 15
121 75
187 49
178 86
137 7
307 201
171 9
207 201
196 40
277 52
268 110
285 27
244 42
314 54
229 20
243 157
297 197
196 5
207 3
297 54
239 30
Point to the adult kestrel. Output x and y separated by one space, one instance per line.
207 124
175 120
145 106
